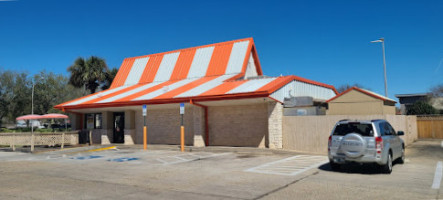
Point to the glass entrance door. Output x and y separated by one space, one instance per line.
119 127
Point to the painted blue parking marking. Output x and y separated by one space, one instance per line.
86 157
122 159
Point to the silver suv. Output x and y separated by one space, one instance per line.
362 141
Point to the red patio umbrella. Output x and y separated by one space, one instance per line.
28 117
54 116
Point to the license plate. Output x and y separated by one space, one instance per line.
339 160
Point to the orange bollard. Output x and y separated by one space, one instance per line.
145 138
182 139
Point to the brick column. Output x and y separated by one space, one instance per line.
275 125
76 123
107 127
198 126
129 127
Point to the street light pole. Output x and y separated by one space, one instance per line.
32 113
382 40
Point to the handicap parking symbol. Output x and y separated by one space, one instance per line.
86 157
122 159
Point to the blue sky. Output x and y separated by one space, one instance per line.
327 41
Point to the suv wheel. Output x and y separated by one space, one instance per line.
387 168
401 160
334 166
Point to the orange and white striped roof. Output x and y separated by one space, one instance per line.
224 58
211 72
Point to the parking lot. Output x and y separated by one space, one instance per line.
131 173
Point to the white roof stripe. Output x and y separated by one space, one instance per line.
136 71
165 89
200 62
251 85
166 67
237 57
205 86
98 95
130 92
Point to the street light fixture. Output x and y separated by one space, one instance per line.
382 40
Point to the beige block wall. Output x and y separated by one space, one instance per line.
310 133
355 108
241 125
75 121
275 123
163 126
389 110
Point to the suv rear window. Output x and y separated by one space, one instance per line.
362 129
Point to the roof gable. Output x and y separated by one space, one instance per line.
224 58
368 93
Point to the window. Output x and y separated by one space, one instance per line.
391 130
93 121
381 126
386 129
362 129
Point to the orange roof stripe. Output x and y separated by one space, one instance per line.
219 60
223 88
151 69
183 64
147 91
113 94
123 72
185 88
276 84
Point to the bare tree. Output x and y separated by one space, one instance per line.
344 87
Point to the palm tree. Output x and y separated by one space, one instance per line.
110 75
88 73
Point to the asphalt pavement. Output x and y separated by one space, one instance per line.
213 173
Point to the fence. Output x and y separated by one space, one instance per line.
430 127
310 133
40 139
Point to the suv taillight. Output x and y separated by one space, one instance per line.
329 142
379 144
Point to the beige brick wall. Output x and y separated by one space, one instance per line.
198 120
163 126
243 125
275 123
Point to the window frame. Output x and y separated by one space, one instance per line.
94 116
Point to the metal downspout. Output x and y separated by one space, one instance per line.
206 120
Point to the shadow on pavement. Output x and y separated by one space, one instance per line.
353 168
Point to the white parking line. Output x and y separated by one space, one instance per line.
290 166
441 144
170 160
437 176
